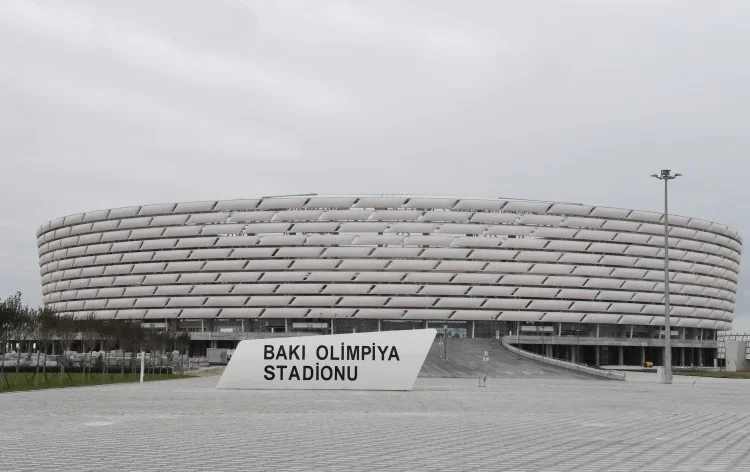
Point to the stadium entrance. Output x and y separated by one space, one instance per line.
317 327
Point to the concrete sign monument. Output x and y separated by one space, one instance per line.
385 360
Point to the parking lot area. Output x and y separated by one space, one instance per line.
553 424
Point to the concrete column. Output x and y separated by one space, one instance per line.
242 324
621 356
597 351
426 324
597 332
286 325
333 325
700 355
631 331
203 325
682 356
643 355
574 354
379 325
213 344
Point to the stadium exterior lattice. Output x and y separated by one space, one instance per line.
575 281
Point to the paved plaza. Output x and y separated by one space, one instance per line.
550 424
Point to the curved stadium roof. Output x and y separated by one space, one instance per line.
389 257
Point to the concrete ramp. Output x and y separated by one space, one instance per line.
465 361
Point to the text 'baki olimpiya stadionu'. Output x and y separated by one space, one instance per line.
579 282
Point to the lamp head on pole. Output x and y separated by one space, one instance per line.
666 174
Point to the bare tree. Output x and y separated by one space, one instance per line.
67 329
33 328
10 310
139 340
182 342
47 331
123 334
88 331
131 337
23 327
107 330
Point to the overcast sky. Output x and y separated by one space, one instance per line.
111 103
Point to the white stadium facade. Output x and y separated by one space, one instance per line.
579 282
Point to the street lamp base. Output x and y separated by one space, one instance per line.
664 375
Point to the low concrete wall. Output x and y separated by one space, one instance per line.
735 355
606 374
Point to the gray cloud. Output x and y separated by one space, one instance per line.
120 103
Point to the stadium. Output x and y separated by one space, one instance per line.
578 282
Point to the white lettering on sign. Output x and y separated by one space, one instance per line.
386 360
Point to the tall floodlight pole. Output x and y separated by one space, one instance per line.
666 175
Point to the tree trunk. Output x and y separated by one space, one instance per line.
18 364
36 372
62 365
44 368
87 364
2 368
83 362
122 368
